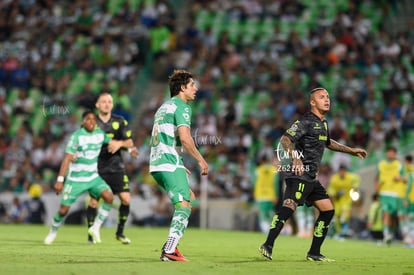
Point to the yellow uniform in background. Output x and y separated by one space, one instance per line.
265 194
340 186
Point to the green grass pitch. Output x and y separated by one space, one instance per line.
210 252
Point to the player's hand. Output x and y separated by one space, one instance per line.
203 167
58 187
187 171
133 151
74 158
192 195
114 146
297 167
361 153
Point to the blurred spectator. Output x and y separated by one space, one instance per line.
35 206
162 209
17 213
359 138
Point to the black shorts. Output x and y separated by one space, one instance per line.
118 182
302 191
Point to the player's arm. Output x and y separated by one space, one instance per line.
401 176
288 146
377 183
189 145
336 146
62 173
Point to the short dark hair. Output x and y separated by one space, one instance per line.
409 158
87 112
177 79
391 148
316 89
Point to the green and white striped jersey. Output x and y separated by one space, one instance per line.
164 139
86 146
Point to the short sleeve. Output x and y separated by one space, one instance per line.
125 130
72 145
297 130
183 116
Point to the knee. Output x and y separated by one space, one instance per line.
327 215
93 202
63 211
290 204
183 204
107 196
125 198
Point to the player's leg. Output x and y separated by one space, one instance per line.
293 197
323 203
409 241
388 207
266 210
345 217
119 184
70 194
99 188
123 214
326 213
91 212
177 186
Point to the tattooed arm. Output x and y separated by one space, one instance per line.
336 146
288 146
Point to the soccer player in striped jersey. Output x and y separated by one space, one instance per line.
171 132
80 166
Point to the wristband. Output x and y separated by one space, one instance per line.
60 179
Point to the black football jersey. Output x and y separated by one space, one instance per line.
310 136
115 128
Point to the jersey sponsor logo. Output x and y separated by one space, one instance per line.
319 229
92 139
292 130
317 126
186 116
115 125
324 138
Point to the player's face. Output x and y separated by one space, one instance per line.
190 90
320 101
105 104
391 155
89 122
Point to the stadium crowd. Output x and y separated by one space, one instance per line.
254 61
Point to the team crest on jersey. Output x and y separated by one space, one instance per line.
298 195
115 125
292 130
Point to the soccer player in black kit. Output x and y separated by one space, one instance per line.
304 143
110 166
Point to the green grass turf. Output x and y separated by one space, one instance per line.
210 252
